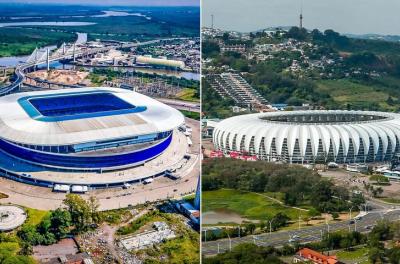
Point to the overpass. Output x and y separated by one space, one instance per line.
64 52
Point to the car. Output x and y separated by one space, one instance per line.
351 221
294 238
368 227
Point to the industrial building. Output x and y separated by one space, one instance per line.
311 136
159 62
86 129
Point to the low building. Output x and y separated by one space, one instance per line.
80 258
187 209
240 48
362 168
308 255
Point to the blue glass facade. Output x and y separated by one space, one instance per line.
86 162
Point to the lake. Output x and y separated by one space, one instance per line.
223 216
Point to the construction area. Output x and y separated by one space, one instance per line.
160 233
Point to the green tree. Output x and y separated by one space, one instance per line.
60 223
82 213
376 255
250 228
29 234
335 215
312 212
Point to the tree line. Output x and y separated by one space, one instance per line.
298 184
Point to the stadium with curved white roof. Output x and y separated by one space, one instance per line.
86 128
312 136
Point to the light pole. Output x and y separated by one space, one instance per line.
230 243
270 225
351 208
355 225
239 230
218 248
205 235
327 224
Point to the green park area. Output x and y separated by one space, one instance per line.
22 41
188 94
353 94
357 255
249 205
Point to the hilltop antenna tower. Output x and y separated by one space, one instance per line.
301 15
212 21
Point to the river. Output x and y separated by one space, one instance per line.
55 23
179 74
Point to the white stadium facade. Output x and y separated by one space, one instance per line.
88 129
312 136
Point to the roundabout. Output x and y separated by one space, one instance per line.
11 217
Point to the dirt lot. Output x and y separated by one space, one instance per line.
69 77
62 248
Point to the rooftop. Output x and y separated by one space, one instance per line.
73 117
70 106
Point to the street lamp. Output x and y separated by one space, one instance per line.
351 208
326 222
355 225
270 225
230 243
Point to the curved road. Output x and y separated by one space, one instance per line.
307 234
19 70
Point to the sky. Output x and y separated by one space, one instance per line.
112 2
344 16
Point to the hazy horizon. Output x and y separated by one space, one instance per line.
356 16
109 2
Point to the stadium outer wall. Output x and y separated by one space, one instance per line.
312 136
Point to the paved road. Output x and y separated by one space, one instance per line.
181 105
307 234
19 70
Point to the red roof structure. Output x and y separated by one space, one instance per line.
316 257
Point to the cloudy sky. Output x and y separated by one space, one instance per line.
113 2
346 16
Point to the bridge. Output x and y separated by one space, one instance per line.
64 52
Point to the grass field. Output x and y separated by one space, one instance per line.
390 200
248 205
358 95
190 114
184 249
359 255
187 94
35 216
